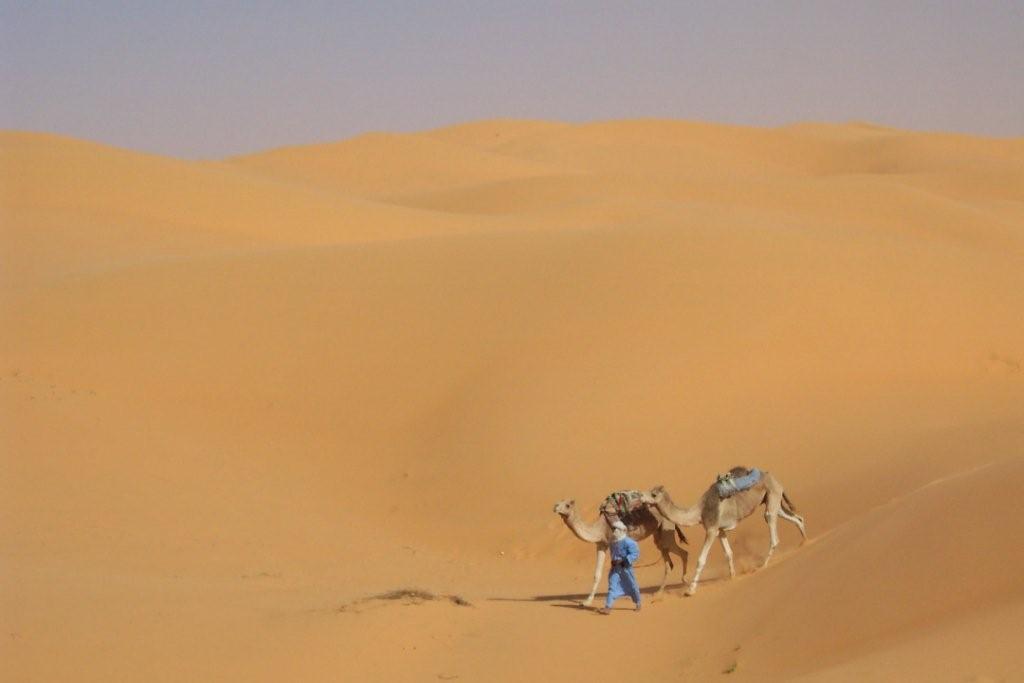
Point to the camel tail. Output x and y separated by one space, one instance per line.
682 536
790 508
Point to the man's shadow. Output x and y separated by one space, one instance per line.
575 600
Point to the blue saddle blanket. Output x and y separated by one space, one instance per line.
728 485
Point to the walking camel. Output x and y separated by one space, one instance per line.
720 515
644 522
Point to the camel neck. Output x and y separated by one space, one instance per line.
590 533
683 516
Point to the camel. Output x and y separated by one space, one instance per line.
720 515
647 523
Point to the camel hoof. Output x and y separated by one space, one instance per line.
689 592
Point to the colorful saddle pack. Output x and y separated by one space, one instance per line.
622 505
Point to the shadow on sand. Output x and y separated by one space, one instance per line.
575 600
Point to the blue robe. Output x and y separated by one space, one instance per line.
621 579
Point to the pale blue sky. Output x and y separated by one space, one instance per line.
197 79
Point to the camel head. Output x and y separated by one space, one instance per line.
653 496
565 507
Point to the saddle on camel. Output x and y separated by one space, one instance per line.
623 506
736 480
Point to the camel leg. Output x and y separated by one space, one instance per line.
772 508
671 546
666 561
795 519
709 539
597 575
773 531
667 545
683 554
664 540
724 540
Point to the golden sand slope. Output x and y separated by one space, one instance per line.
241 395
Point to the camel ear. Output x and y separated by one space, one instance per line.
572 501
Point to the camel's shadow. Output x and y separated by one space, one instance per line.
575 600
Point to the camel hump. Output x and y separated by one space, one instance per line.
736 480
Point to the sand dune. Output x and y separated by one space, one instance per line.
240 395
72 206
380 164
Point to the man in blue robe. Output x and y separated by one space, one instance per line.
621 579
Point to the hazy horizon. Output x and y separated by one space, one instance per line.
209 81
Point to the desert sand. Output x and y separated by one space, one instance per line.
241 398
